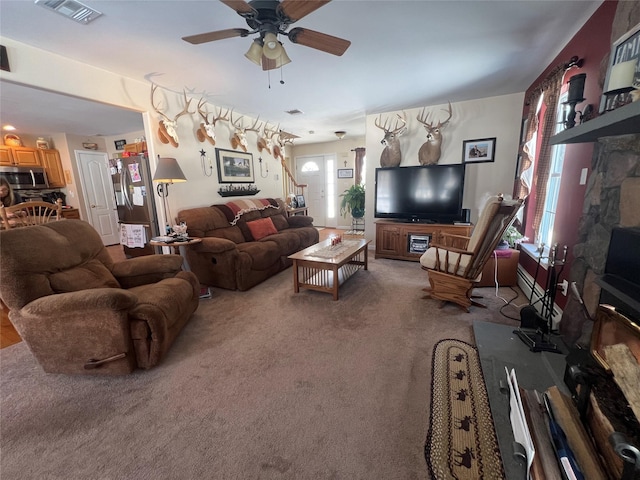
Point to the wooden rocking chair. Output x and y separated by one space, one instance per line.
456 264
30 213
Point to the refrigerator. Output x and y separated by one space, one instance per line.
134 192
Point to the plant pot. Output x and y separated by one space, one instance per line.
357 212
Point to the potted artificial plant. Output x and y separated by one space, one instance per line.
353 201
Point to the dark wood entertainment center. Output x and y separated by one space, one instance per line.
401 240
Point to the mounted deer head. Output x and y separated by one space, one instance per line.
391 156
167 132
266 141
239 139
207 129
284 139
431 150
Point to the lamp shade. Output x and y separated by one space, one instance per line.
272 47
168 171
255 52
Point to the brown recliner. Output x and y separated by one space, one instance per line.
80 312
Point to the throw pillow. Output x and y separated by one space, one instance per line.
262 228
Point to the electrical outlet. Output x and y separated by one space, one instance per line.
564 286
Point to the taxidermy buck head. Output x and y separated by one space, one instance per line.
167 132
207 129
239 139
283 140
431 150
266 141
391 155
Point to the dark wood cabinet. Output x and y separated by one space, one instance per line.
407 241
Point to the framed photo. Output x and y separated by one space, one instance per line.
120 144
345 173
479 151
234 167
623 71
300 201
90 146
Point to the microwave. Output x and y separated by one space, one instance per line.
25 177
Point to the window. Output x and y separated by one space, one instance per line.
545 233
310 166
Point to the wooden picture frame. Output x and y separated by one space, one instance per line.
345 173
234 167
480 150
625 49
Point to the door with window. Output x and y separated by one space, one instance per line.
318 173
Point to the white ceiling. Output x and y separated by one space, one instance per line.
404 54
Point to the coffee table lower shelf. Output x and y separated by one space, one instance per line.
316 273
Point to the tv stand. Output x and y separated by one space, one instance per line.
407 240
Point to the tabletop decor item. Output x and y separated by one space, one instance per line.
12 140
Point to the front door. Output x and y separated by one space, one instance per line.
312 171
99 197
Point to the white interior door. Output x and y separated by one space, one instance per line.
311 170
99 197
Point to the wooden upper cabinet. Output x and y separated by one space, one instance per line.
50 160
26 157
6 156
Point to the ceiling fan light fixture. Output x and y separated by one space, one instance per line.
340 134
255 52
272 47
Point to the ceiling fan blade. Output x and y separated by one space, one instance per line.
240 6
217 35
294 10
319 41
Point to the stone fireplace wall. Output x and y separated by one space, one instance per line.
612 200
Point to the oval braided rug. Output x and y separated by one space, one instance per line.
461 443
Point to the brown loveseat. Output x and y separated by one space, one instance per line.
79 312
230 256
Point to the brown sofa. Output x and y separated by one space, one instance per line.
80 312
230 256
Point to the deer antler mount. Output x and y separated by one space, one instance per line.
167 132
430 151
391 156
207 128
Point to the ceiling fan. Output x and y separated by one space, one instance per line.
270 18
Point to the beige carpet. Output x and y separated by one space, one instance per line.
264 384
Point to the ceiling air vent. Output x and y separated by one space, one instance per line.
71 9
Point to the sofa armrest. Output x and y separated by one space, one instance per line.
300 221
60 305
148 269
214 245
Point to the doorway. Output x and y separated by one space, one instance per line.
318 173
98 193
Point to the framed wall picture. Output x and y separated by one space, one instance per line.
120 144
479 151
345 173
234 167
623 72
300 203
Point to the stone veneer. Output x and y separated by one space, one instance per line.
612 200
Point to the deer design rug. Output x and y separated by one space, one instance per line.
461 442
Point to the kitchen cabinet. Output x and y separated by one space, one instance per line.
19 156
408 240
6 156
26 157
50 160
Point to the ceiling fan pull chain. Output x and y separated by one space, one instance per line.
281 79
269 77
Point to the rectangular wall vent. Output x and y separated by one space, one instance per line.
72 9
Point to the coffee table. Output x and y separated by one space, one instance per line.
319 266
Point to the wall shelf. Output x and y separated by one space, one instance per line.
237 193
621 121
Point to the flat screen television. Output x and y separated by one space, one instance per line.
428 193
